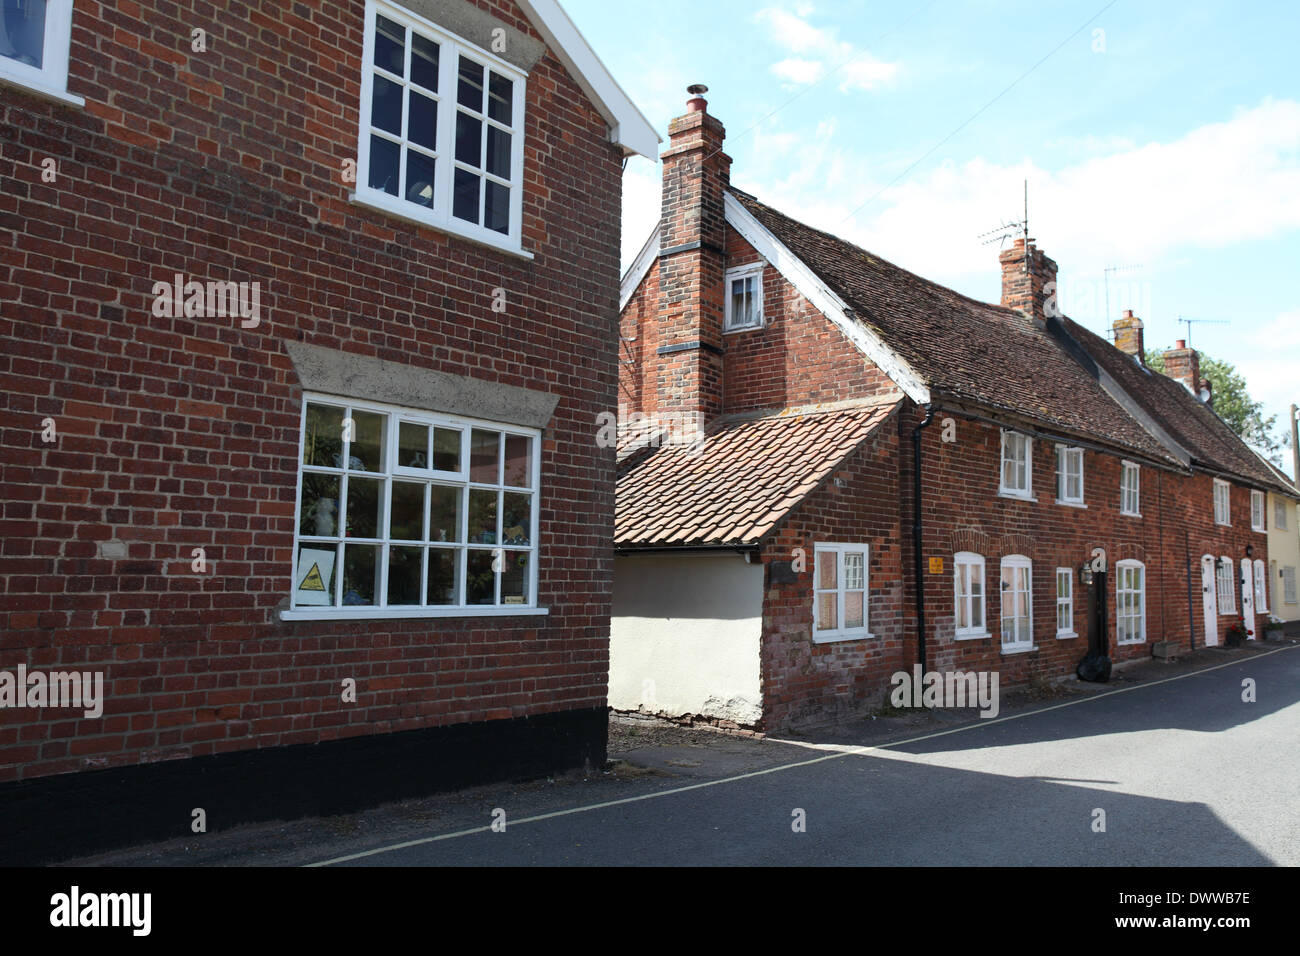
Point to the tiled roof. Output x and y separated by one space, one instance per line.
1212 444
965 350
735 486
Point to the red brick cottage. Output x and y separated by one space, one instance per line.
767 575
307 317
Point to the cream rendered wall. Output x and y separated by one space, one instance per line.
1283 551
684 639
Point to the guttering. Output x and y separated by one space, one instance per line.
917 536
686 550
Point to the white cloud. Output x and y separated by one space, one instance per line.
822 53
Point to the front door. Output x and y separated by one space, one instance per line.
1248 597
1209 601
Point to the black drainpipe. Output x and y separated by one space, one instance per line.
916 535
1191 604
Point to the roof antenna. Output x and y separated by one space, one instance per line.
1190 322
1010 230
1106 275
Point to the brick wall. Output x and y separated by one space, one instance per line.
182 433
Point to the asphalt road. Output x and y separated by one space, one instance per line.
1186 772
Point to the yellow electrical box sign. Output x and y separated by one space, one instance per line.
936 565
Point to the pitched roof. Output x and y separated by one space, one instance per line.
1212 443
733 488
965 350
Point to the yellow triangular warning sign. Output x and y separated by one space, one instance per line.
312 582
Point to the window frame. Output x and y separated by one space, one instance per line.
1226 488
451 47
1260 500
1014 562
50 79
1005 490
396 415
1260 576
1065 453
1130 564
1127 468
842 633
1280 520
970 632
1290 593
1227 597
754 269
1068 601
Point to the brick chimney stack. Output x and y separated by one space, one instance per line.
1128 336
692 263
1029 281
1184 365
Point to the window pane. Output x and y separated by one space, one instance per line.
827 617
517 520
443 582
424 62
384 158
482 517
519 462
738 302
480 579
422 127
363 507
413 445
406 520
826 569
483 454
469 90
446 449
360 574
469 140
514 578
390 45
22 34
322 446
444 514
853 608
386 106
498 152
318 509
465 196
853 567
405 566
976 608
497 209
314 574
419 178
367 451
501 98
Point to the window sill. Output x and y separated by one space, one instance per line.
838 638
1119 643
1071 504
1014 496
972 635
39 89
745 328
410 212
1066 635
1018 649
389 614
1131 514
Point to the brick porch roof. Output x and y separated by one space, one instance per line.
739 483
966 350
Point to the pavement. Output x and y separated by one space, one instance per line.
1166 765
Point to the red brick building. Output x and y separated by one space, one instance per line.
879 451
307 317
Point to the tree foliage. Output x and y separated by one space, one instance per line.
1234 405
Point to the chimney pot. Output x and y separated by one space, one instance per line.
1182 343
697 103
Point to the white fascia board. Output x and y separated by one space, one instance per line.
636 273
628 127
793 269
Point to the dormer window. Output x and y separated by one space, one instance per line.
744 298
441 139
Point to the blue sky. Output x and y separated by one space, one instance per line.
1162 138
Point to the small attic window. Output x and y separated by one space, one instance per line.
744 298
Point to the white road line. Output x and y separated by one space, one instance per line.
838 752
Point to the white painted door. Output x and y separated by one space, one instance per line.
1210 601
1248 597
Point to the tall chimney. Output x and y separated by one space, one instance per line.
1029 281
1184 365
692 263
1128 335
